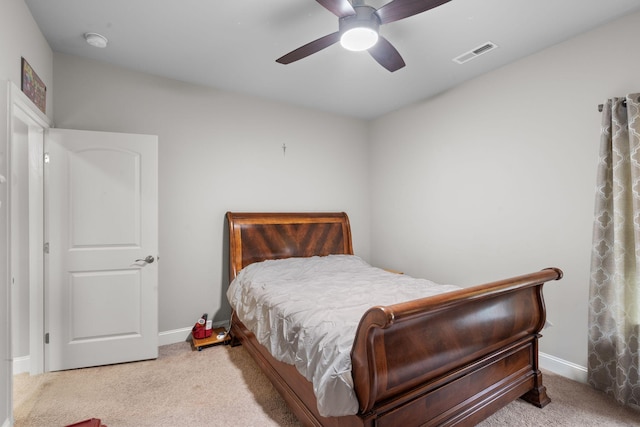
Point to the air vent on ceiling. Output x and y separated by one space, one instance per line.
474 53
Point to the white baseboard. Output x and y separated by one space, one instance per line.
562 367
173 336
6 423
21 364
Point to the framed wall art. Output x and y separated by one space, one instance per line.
33 87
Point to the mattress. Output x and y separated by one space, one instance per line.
306 311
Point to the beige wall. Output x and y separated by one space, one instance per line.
218 151
496 177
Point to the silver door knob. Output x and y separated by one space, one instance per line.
149 259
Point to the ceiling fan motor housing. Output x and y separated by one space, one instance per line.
365 17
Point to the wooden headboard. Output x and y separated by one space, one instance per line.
255 237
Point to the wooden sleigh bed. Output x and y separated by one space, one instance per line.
450 359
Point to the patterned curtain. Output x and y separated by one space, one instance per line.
614 300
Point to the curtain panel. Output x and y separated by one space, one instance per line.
614 300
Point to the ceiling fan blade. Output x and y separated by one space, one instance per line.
386 55
339 8
400 9
310 48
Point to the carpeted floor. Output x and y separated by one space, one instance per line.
222 386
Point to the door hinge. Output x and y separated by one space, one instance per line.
46 157
46 338
46 248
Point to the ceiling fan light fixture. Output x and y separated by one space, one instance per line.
360 31
359 39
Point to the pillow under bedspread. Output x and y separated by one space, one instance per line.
306 311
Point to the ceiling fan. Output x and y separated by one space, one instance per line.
358 26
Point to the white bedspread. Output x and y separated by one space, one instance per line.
306 312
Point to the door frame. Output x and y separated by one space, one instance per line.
21 108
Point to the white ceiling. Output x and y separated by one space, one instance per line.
233 44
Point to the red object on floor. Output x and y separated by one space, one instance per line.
92 422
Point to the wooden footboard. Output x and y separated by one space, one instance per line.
452 357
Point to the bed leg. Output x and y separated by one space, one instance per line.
234 342
538 394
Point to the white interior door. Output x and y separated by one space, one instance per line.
102 224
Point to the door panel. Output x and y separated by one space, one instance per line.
115 174
101 197
93 294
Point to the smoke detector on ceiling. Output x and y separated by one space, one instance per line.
474 53
95 39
